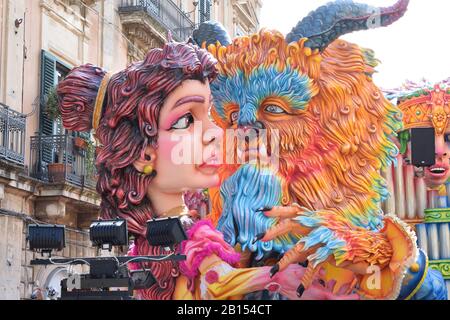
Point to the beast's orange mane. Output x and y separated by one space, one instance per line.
332 155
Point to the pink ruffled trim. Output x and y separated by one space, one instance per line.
202 223
203 242
133 252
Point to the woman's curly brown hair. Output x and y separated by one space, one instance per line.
128 124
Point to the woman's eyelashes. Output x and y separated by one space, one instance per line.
183 123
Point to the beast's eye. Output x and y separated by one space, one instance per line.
183 123
275 109
234 117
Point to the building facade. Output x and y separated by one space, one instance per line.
239 17
46 172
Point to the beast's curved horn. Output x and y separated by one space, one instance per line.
210 32
335 19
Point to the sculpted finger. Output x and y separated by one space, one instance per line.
294 256
282 212
307 280
285 227
290 257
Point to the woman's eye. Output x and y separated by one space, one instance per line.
234 117
275 109
184 122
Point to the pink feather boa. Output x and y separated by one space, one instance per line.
204 241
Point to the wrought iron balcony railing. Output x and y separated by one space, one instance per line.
57 159
167 13
12 135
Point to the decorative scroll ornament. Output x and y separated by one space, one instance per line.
427 108
443 266
437 215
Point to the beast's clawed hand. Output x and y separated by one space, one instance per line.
287 285
305 225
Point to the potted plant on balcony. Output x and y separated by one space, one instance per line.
57 169
51 105
53 112
80 143
56 172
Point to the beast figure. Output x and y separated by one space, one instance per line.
321 207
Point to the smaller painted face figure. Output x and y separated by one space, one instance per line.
426 106
439 173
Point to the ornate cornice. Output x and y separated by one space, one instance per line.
246 10
437 215
50 8
443 266
428 107
144 32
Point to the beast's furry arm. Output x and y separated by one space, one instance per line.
330 238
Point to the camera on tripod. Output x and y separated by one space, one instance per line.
109 278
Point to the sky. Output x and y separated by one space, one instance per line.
415 47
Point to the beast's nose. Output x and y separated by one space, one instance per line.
258 125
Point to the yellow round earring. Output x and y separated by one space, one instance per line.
148 169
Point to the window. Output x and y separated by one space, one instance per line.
239 31
205 10
61 72
52 72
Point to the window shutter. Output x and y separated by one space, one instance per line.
85 135
205 10
48 73
208 10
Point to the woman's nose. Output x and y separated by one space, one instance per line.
212 133
441 147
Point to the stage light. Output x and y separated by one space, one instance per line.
108 233
46 238
165 232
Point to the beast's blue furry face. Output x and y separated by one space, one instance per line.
249 92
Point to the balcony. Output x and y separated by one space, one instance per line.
12 135
57 159
147 22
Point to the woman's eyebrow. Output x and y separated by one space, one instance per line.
189 99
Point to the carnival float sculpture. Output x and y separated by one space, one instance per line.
135 114
335 128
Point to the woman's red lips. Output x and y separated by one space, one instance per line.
206 165
438 170
211 163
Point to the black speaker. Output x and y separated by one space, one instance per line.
423 147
